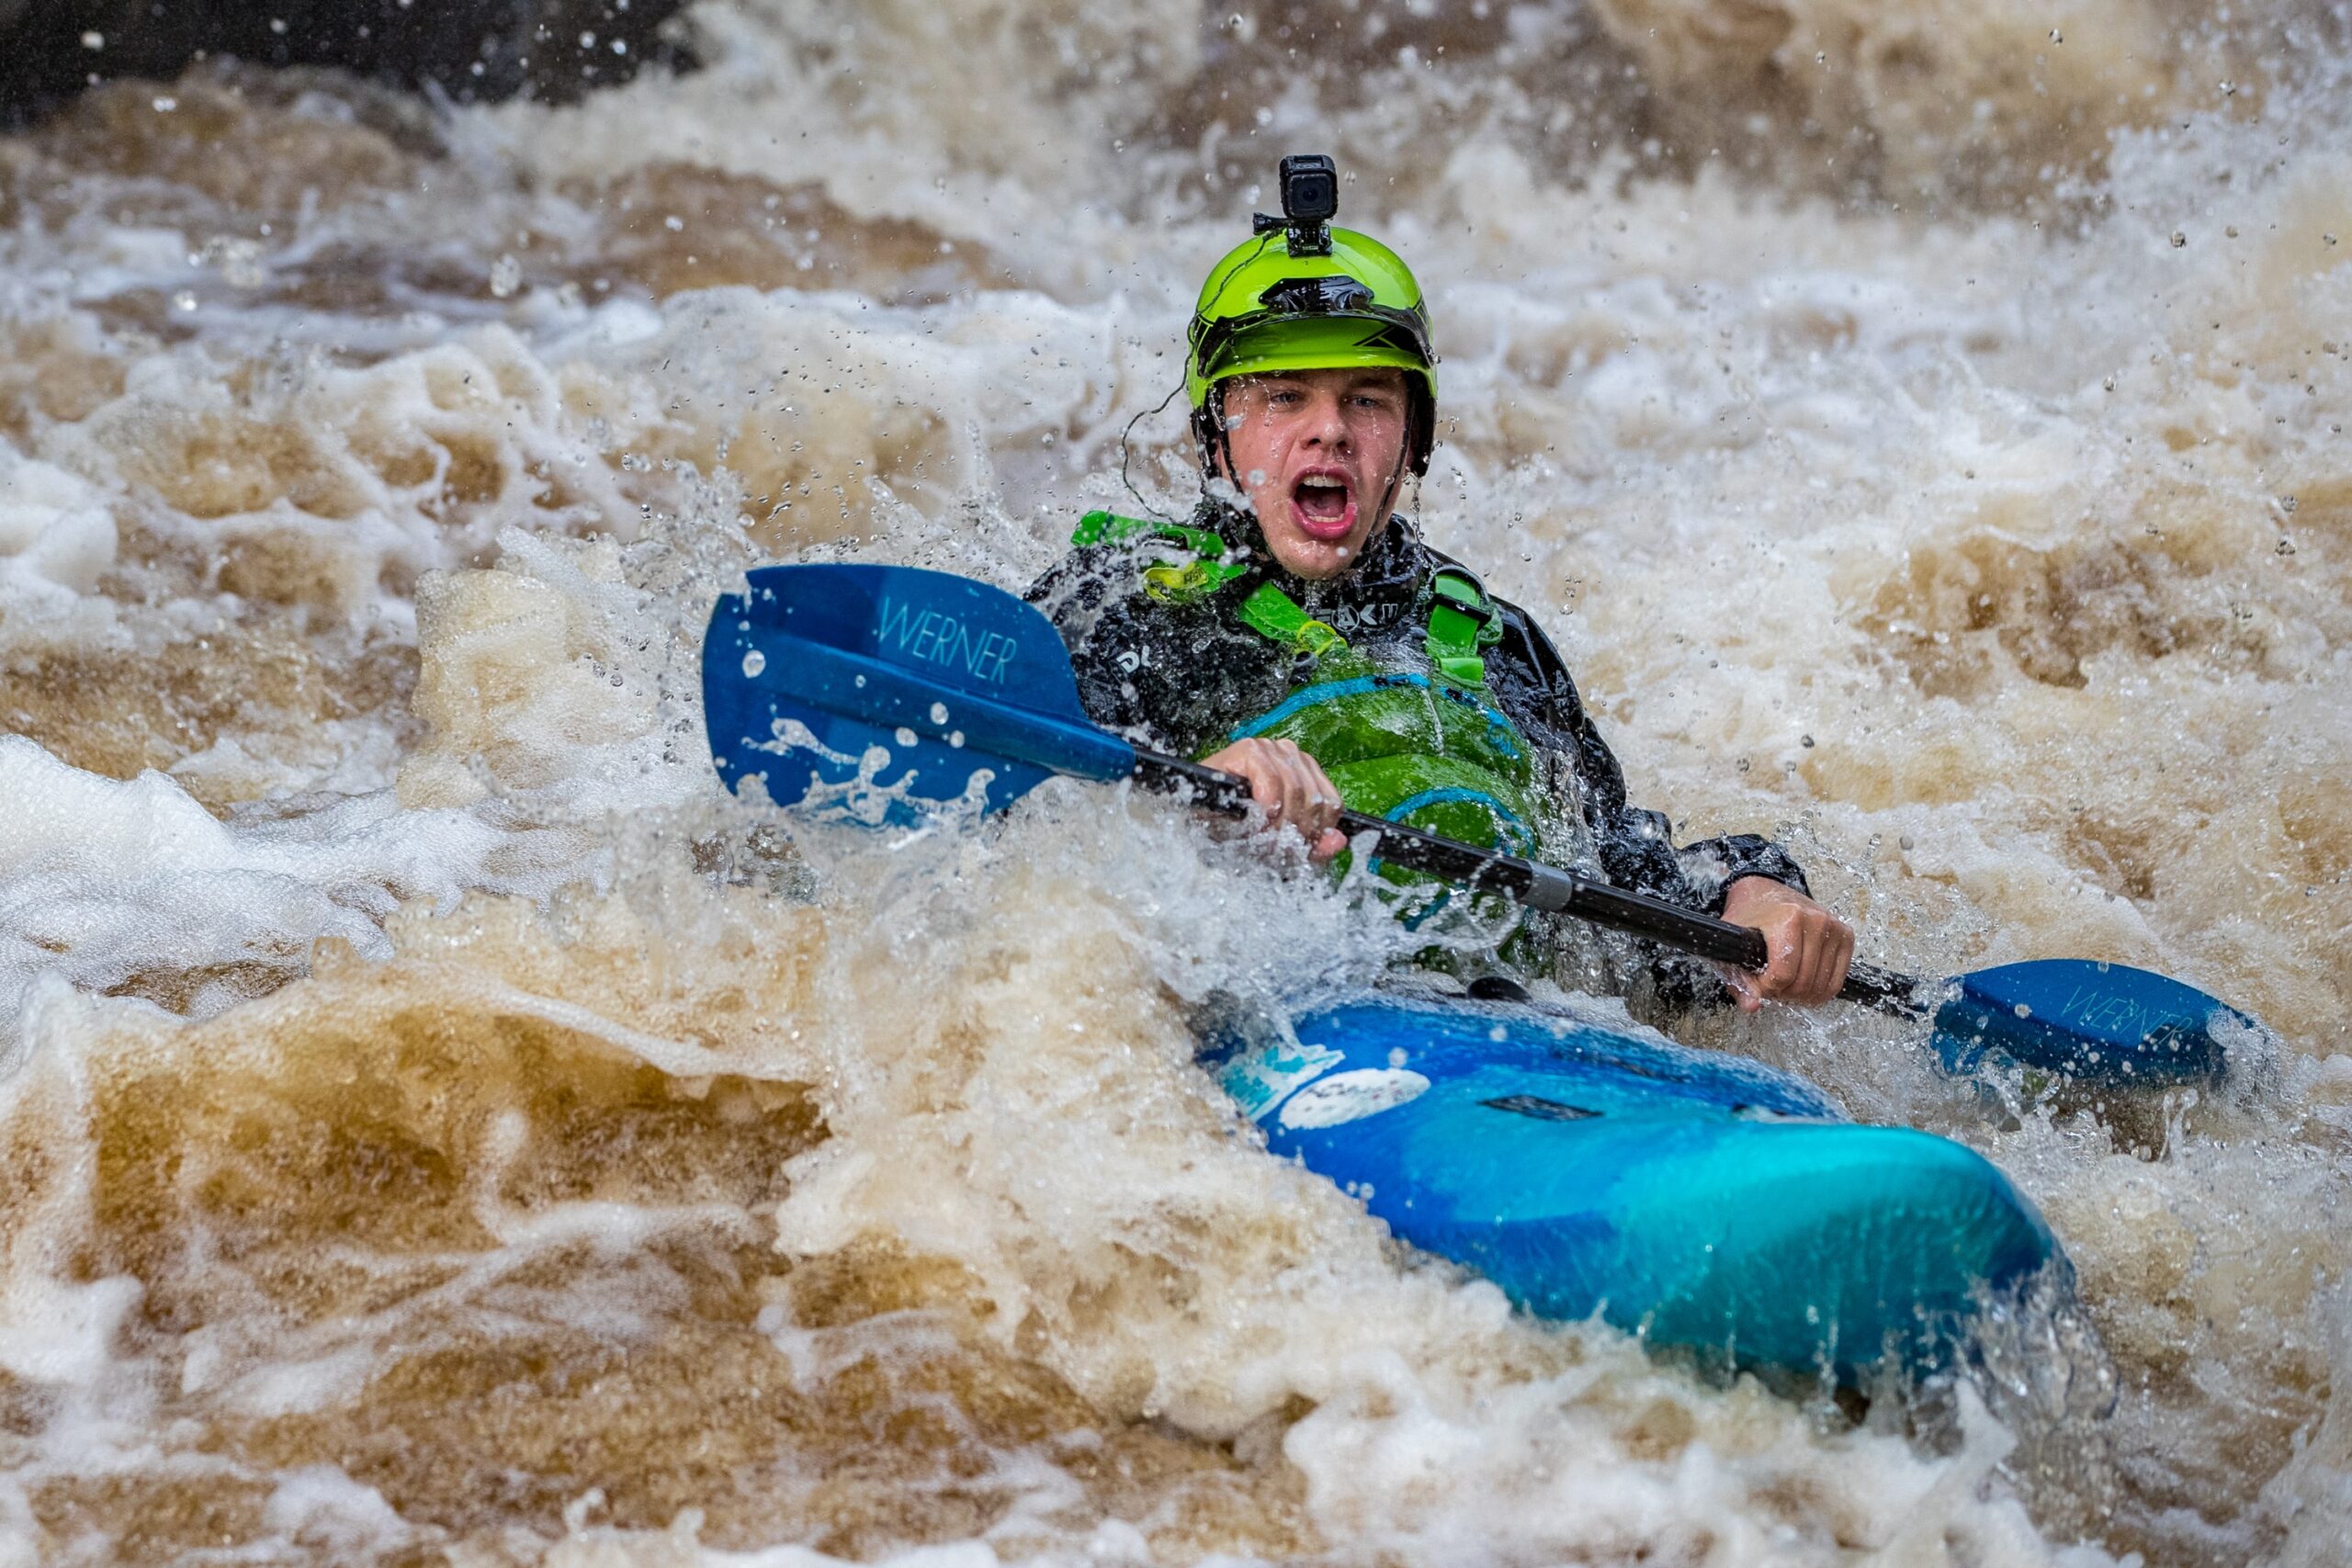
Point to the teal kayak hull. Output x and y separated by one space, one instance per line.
1701 1200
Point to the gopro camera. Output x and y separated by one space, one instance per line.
1311 186
1310 189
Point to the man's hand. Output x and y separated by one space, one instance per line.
1810 946
1290 789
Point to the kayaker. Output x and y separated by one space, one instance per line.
1297 631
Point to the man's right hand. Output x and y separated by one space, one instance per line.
1291 791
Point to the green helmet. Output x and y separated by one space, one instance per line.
1304 297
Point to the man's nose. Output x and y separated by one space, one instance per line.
1326 424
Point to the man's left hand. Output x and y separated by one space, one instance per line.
1810 946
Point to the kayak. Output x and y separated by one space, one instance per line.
1700 1200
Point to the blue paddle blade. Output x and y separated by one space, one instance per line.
2104 1024
885 694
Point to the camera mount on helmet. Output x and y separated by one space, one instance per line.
1310 187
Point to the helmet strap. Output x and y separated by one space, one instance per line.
1394 490
1421 427
1210 433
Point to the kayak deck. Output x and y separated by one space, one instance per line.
1701 1200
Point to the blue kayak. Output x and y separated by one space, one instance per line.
1701 1200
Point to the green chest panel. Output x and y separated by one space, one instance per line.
1412 736
1411 747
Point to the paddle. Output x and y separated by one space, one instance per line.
895 692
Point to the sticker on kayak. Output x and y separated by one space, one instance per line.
1351 1097
1259 1081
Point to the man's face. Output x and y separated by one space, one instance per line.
1319 454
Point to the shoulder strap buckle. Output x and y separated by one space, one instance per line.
1203 567
1463 620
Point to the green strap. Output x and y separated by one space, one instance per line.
1462 618
1110 528
1275 615
1461 621
1182 581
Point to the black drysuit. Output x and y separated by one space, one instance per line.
1180 676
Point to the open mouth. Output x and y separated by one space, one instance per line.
1325 504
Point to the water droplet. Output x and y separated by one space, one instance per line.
939 712
955 740
905 737
184 300
505 277
2022 1010
93 40
753 662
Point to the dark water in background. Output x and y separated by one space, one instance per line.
1921 424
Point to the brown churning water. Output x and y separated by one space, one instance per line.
440 1127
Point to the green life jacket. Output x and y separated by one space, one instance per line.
1412 739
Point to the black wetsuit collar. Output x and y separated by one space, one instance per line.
1393 571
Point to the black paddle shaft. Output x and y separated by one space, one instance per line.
1539 887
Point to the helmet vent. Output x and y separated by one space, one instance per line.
1316 296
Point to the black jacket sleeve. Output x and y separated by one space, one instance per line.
1636 848
1174 677
1076 595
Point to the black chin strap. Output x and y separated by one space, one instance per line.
1396 493
1210 434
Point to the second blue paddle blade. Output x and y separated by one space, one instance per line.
2105 1023
887 693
